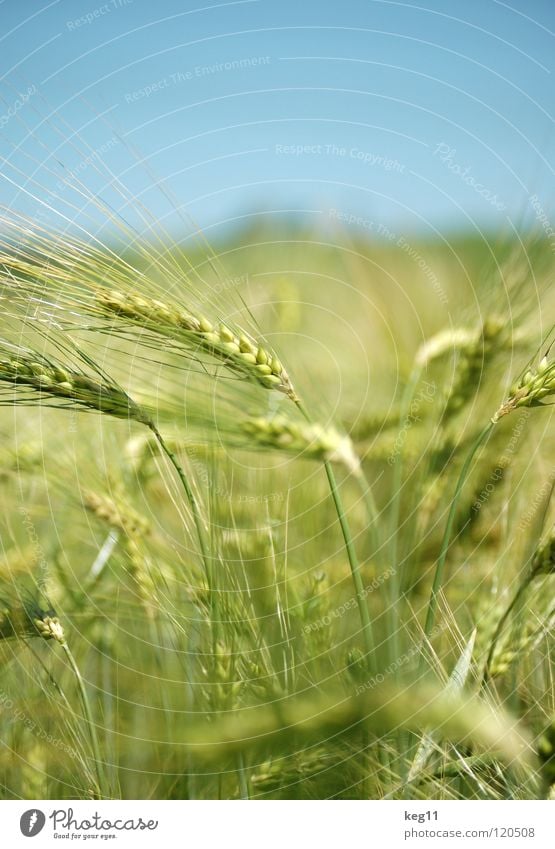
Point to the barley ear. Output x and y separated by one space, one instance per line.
234 348
534 385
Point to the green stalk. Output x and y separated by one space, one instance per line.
396 579
353 563
214 618
372 512
102 790
188 492
406 401
446 542
351 555
243 780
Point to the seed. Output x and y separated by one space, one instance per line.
205 325
246 346
226 334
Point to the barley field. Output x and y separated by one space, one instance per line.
275 525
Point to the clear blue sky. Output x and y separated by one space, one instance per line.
427 116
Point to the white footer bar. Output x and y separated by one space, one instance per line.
278 825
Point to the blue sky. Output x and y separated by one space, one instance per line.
428 116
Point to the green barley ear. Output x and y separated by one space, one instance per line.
35 378
298 768
311 440
356 665
27 457
529 391
18 563
50 628
236 349
26 618
531 636
542 563
81 293
373 424
534 385
116 514
468 343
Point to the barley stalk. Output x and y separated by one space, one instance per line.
102 788
327 445
446 541
354 565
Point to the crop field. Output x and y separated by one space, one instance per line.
276 514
